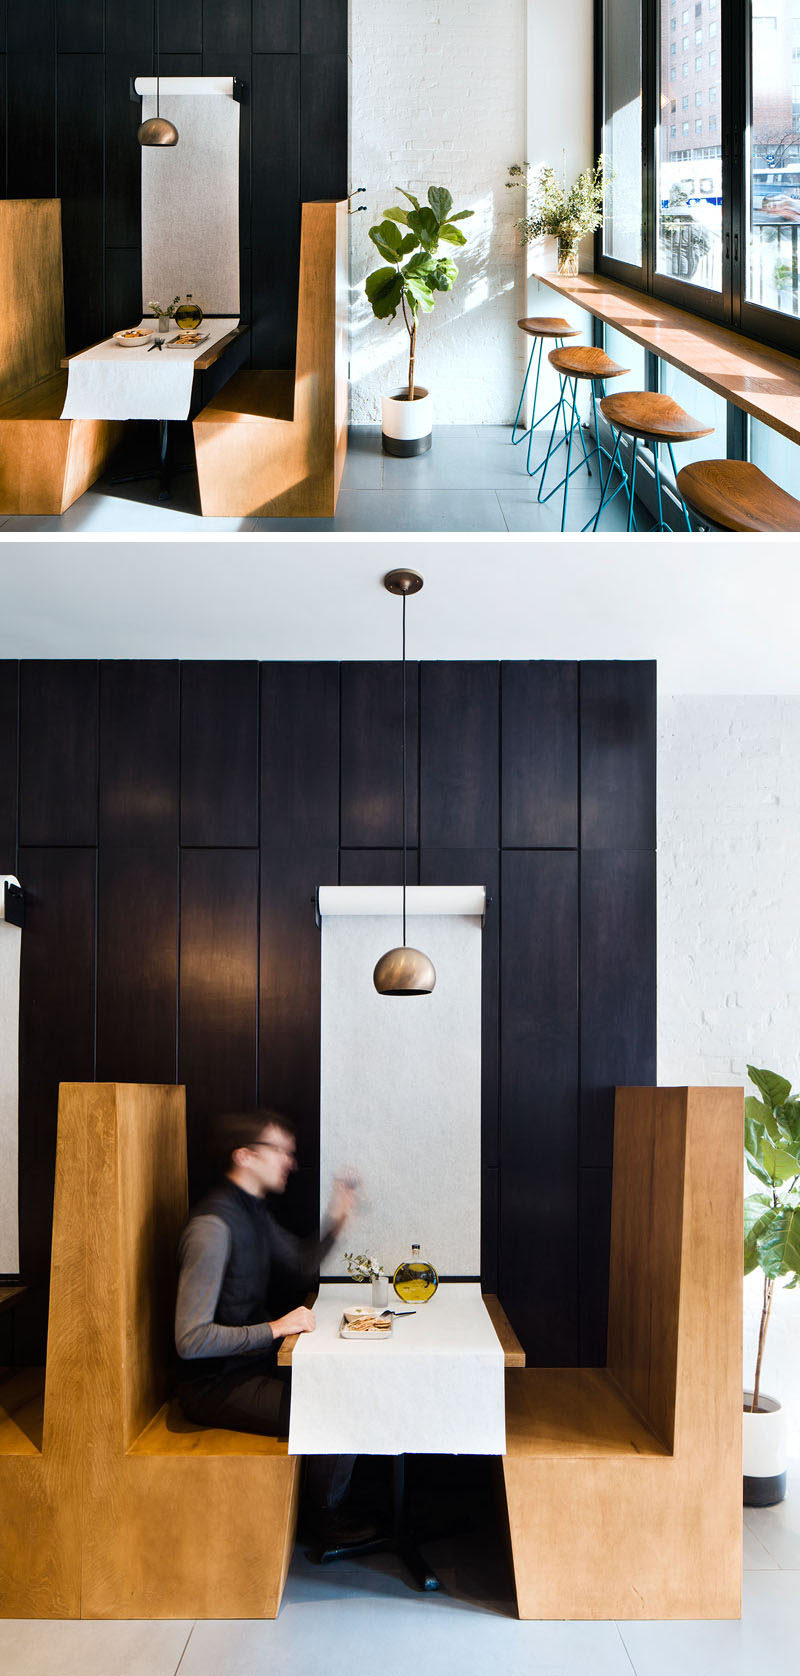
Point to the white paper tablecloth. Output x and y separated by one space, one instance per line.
110 382
436 1387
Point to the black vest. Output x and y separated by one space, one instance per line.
243 1296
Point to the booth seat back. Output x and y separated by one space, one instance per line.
675 1283
31 293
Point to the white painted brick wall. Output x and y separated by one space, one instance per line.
438 98
729 929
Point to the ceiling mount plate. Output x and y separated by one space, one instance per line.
402 581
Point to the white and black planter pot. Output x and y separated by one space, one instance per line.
764 1449
407 426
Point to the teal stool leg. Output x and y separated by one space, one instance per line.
633 484
683 503
569 452
550 450
605 497
657 471
514 438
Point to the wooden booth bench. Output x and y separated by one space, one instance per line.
113 1505
46 462
273 444
624 1483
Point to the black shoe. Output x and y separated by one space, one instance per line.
337 1529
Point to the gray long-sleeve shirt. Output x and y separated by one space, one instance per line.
203 1255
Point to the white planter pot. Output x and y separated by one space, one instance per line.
763 1452
407 426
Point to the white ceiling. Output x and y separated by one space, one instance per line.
719 614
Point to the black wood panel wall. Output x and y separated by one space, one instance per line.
170 824
68 130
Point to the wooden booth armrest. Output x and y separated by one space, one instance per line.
288 1344
513 1353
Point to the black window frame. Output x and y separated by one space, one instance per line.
730 306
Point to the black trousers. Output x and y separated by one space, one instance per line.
258 1399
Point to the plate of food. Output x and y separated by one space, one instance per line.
135 337
365 1324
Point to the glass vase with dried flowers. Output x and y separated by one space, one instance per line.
555 211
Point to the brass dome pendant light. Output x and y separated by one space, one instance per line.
404 971
157 130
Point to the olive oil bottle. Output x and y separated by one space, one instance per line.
415 1281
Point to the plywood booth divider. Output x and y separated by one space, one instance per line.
124 1509
624 1483
274 442
46 462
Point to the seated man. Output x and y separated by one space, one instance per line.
228 1251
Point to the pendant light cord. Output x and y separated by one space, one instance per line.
157 54
404 770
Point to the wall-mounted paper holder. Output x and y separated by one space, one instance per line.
14 905
470 901
234 88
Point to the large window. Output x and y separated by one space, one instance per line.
699 118
774 155
622 132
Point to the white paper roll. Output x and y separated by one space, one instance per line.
176 85
10 947
469 901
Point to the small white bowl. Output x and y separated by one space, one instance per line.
135 338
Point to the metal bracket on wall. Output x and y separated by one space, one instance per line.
14 905
354 194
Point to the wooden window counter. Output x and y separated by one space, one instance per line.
761 381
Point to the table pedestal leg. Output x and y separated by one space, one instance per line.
402 1543
164 471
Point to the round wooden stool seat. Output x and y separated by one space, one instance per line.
581 361
548 326
655 417
736 495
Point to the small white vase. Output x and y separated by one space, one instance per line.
764 1452
380 1291
163 324
407 426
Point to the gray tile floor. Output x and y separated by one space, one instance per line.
361 1618
471 480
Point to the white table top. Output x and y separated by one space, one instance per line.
436 1386
111 381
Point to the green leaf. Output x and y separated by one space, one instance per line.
779 1247
444 275
451 234
788 1117
386 239
463 215
384 289
775 1089
420 293
441 202
781 1165
408 243
422 263
759 1214
408 195
397 214
423 222
754 1137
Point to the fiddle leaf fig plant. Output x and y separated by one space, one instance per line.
409 240
772 1218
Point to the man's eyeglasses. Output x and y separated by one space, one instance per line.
274 1146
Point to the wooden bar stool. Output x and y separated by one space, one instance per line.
539 327
574 363
649 416
736 495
